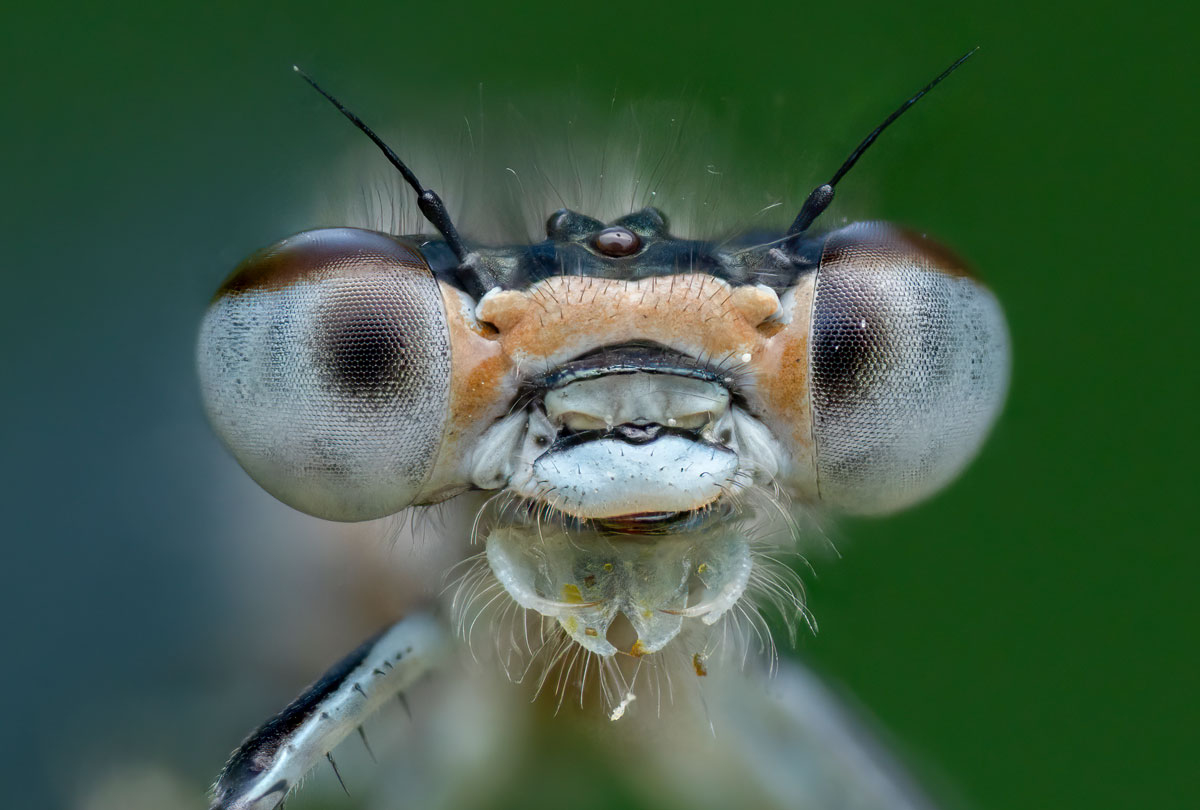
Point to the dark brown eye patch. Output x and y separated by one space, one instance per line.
362 347
850 343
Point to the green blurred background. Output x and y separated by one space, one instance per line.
1028 637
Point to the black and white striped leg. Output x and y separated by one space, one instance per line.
274 758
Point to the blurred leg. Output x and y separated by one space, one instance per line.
274 758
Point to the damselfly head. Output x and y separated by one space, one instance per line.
640 404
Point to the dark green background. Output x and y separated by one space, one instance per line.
1029 635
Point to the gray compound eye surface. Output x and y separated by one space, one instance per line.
909 364
325 366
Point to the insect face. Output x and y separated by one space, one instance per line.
615 384
647 412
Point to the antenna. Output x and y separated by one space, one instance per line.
428 201
822 195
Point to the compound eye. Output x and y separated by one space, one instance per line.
909 367
325 364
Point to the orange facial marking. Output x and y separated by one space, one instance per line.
755 303
565 316
482 383
512 334
782 390
480 367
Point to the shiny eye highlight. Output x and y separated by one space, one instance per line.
325 365
909 367
618 242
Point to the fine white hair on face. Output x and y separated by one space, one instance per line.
502 173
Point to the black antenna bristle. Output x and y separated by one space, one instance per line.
822 195
428 201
